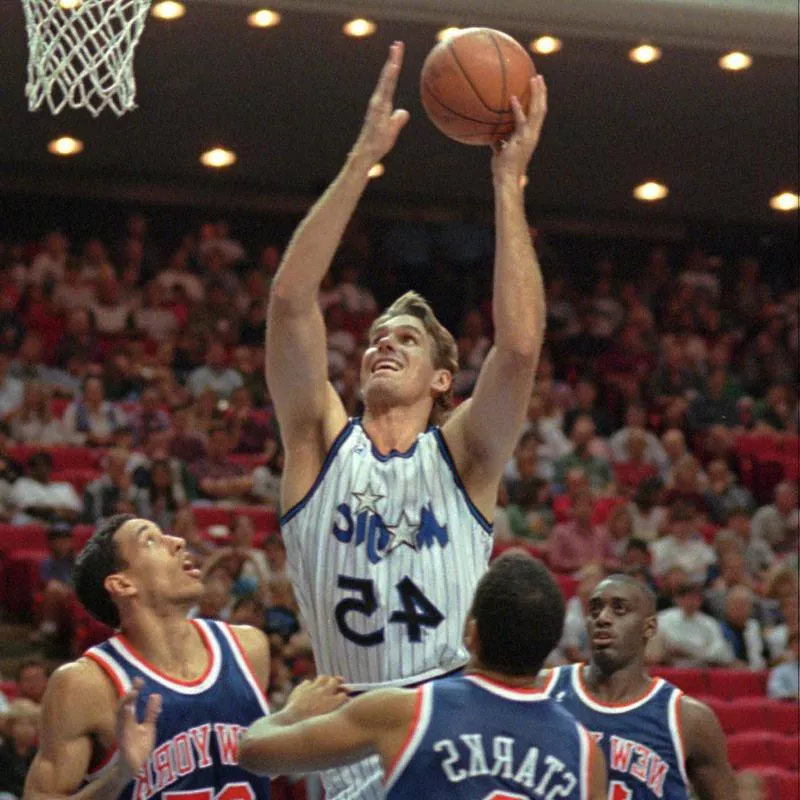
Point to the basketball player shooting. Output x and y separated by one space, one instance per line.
388 517
485 734
658 742
157 710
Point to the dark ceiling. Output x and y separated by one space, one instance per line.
289 101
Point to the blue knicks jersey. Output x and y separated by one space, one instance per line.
641 740
474 739
198 730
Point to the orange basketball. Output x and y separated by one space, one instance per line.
468 80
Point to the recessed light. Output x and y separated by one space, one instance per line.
168 9
645 54
69 5
544 45
376 170
65 146
785 201
218 157
359 28
264 18
735 61
650 191
446 33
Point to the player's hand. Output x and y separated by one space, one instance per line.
512 155
383 122
135 740
317 697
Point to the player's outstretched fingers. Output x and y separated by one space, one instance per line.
126 708
153 709
387 82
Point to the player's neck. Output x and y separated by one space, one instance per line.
396 427
514 681
167 641
620 686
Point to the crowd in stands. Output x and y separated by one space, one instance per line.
661 439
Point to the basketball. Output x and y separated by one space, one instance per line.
468 80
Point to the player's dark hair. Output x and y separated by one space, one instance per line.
519 614
99 559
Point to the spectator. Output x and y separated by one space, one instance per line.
724 495
647 510
777 524
18 746
185 443
111 313
688 638
248 610
154 319
355 298
215 374
32 679
216 601
148 416
55 628
185 527
586 405
79 339
11 389
91 420
156 449
741 630
266 479
10 468
784 680
213 471
713 406
551 444
630 473
788 622
38 499
34 422
249 363
250 431
521 471
121 380
74 291
530 516
113 492
774 411
672 379
620 530
253 329
216 236
683 547
636 562
12 327
94 261
50 263
687 487
597 468
163 496
636 419
578 541
177 274
758 555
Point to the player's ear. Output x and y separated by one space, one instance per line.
471 635
119 585
650 627
442 381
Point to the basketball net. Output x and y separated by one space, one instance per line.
80 53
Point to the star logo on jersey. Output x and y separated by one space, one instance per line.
367 500
404 531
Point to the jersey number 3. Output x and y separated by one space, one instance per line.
417 611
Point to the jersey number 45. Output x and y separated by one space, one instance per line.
417 611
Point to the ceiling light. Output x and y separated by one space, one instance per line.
65 146
446 33
264 18
218 157
735 61
376 170
645 54
650 191
785 201
545 45
69 5
359 28
168 9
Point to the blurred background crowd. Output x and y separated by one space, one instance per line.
661 436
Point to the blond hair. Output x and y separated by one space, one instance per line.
445 350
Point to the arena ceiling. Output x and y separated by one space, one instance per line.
289 100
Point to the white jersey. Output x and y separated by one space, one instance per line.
384 553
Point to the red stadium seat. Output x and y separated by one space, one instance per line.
206 516
784 717
750 749
79 477
690 680
788 785
786 751
731 684
21 581
14 537
568 584
739 716
264 518
80 535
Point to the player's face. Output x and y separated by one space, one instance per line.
398 363
159 569
619 625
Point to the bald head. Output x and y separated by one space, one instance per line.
646 596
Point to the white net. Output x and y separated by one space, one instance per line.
80 53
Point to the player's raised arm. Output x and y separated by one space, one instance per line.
72 717
483 431
320 728
707 764
296 354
